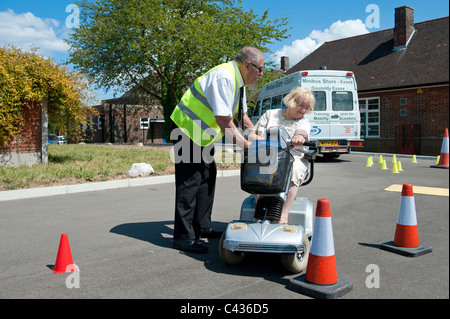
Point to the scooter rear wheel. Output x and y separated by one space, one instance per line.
229 257
296 263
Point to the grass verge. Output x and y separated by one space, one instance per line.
82 163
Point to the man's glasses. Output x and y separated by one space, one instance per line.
256 67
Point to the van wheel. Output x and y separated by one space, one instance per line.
229 257
296 263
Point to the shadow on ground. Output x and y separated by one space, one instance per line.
267 266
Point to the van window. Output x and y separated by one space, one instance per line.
265 105
276 102
250 111
342 100
283 106
321 101
255 112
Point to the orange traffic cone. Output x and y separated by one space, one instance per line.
406 238
320 280
443 158
64 257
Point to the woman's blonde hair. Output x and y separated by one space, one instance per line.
304 96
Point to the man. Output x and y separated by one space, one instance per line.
204 114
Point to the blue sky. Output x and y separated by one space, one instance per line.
31 23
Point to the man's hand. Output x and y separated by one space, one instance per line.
231 131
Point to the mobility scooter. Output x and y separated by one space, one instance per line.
266 171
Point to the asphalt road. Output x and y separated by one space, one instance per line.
121 240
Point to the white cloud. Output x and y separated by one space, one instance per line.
299 49
27 31
296 51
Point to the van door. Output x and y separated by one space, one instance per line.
319 118
344 115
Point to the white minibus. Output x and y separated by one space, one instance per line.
335 121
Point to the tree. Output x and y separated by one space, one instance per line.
159 47
27 77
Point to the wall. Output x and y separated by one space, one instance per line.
30 147
427 107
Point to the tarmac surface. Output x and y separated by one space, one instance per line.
121 240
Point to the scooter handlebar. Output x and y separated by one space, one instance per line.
309 144
312 144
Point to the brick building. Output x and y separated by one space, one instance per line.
125 121
31 146
402 76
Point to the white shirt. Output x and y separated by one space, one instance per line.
274 118
218 87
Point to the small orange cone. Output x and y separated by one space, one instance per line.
406 238
64 257
320 280
443 158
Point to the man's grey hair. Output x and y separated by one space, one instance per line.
248 54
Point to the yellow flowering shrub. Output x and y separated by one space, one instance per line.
29 77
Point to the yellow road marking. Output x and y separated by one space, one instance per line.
436 191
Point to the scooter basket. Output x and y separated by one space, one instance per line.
266 168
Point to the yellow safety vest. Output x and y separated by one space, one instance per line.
194 114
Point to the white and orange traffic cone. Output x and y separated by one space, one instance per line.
321 267
320 280
406 238
443 158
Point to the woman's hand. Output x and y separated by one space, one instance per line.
297 140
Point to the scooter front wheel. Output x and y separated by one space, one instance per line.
230 257
296 263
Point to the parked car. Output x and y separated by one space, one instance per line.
54 139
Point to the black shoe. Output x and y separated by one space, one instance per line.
209 234
189 246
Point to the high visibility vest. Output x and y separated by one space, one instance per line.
194 114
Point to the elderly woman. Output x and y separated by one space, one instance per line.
299 102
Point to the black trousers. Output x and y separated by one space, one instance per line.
195 182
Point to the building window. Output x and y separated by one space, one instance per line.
144 123
91 125
370 117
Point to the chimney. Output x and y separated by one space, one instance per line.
284 63
404 27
